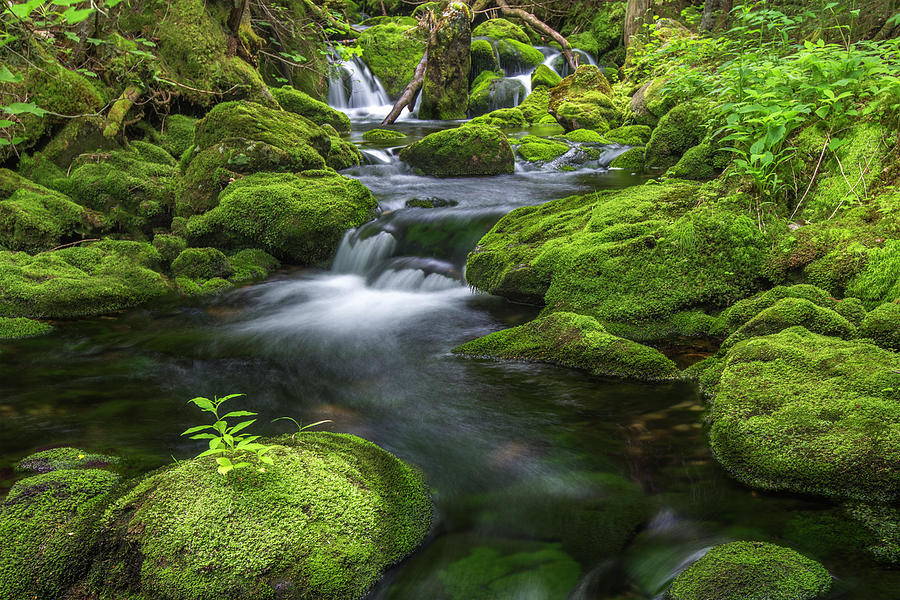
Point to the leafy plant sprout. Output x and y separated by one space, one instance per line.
228 444
301 428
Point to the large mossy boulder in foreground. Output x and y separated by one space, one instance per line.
801 412
574 341
751 571
461 152
583 100
323 523
299 218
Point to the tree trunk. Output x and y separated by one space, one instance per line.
116 115
240 12
711 11
634 18
408 97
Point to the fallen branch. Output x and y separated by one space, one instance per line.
119 109
816 172
408 97
69 245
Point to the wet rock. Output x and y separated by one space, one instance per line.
464 151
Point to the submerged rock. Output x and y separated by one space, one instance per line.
324 522
751 571
801 412
461 152
584 100
300 218
575 341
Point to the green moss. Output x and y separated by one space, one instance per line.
882 523
134 188
492 91
630 135
535 107
445 87
585 136
544 76
879 280
679 130
583 100
574 341
297 102
202 263
34 218
178 134
484 58
324 521
801 412
464 151
85 280
56 459
373 135
392 51
501 29
502 118
703 161
631 160
882 324
169 246
791 312
343 154
296 218
517 57
251 264
536 149
751 571
46 523
19 328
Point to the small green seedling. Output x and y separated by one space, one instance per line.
301 428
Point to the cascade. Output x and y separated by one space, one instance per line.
353 86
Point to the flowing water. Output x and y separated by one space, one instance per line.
539 474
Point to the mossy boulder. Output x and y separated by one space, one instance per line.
502 118
501 29
298 218
575 341
516 57
377 135
535 108
879 281
297 102
751 571
34 218
882 324
630 135
583 100
492 91
392 51
583 136
791 312
85 280
461 152
169 246
445 87
484 58
681 129
544 76
20 327
323 522
630 160
47 524
251 264
537 149
343 154
178 134
801 412
66 457
202 263
703 161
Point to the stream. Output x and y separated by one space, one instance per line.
515 453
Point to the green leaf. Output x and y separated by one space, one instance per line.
211 451
204 436
20 108
242 425
5 123
240 413
195 429
204 403
7 76
267 459
225 470
74 16
223 460
24 9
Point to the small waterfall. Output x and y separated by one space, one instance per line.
525 79
361 256
352 85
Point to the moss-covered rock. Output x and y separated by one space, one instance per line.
681 129
169 246
517 57
299 218
461 152
584 100
47 527
544 76
879 280
20 327
445 87
535 108
537 149
202 263
66 457
703 161
492 91
392 51
343 154
631 160
178 134
791 312
85 280
585 136
630 135
882 324
751 571
484 58
325 521
376 135
501 29
34 218
502 118
251 264
802 412
318 112
574 341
